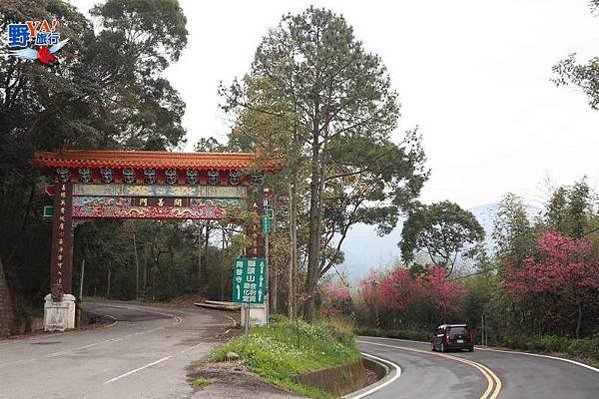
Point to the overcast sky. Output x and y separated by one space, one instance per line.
474 75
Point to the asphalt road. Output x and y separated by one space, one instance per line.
484 374
143 353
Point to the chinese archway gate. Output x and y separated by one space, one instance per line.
135 185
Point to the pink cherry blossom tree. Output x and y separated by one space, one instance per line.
562 280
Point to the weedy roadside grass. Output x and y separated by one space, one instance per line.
201 382
282 349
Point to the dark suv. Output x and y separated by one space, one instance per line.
453 336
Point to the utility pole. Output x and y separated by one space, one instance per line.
81 283
136 264
266 230
482 330
200 276
292 241
266 227
222 266
108 279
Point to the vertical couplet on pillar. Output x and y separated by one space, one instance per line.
62 241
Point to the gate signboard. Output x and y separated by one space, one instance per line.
249 276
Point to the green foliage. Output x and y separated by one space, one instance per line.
569 210
514 233
586 349
585 76
442 230
199 383
280 350
107 92
167 253
316 96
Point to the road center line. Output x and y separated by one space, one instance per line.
492 380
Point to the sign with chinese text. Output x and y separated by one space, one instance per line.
265 224
62 242
35 40
249 278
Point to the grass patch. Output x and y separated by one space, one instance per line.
283 349
201 382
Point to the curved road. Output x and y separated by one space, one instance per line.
482 374
142 353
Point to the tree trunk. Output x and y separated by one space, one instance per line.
200 280
314 230
136 265
222 268
292 249
579 321
206 242
108 283
274 286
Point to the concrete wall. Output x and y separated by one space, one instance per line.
338 381
6 306
380 370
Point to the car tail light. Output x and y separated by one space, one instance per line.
446 338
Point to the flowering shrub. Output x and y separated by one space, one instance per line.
562 281
336 301
397 297
336 292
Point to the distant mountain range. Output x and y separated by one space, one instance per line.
365 250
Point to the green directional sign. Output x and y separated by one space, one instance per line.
48 211
249 277
266 224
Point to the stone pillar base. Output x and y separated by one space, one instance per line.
257 315
59 316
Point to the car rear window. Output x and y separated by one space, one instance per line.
458 330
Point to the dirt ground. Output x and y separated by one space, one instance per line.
230 380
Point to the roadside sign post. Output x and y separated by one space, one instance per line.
266 224
249 280
246 324
249 285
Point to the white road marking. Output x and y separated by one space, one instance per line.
384 384
539 355
154 363
494 383
507 351
138 369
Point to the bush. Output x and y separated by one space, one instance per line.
281 350
410 334
586 349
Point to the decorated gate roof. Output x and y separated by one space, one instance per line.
154 159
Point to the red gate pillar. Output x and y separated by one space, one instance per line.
62 241
59 307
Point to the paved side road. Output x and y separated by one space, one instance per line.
142 354
484 374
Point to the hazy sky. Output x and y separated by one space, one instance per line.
474 75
